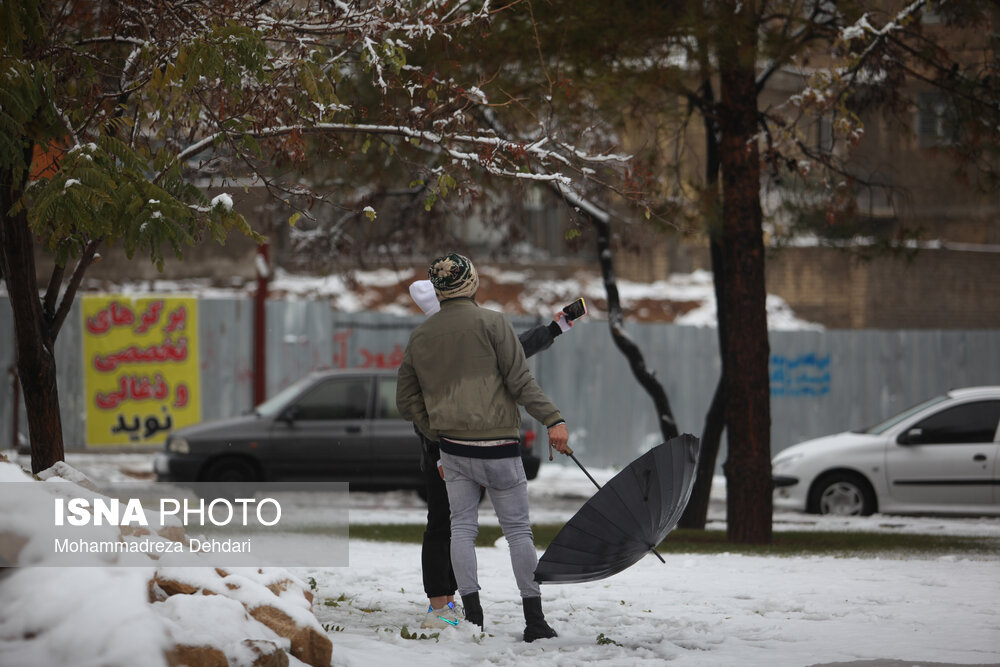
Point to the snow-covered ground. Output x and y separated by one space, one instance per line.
385 290
697 610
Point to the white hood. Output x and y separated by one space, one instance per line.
422 293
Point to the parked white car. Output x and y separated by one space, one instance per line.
939 457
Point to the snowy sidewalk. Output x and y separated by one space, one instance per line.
694 611
697 610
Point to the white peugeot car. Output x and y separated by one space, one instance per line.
939 457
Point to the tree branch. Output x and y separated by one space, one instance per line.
52 289
881 34
86 259
535 148
646 378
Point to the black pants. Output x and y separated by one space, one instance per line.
435 555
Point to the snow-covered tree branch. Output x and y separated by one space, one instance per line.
114 116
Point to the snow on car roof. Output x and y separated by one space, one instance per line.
966 392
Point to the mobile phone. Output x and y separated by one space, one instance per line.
571 312
576 309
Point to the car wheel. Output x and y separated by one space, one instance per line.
232 470
843 494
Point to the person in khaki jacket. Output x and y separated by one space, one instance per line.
461 381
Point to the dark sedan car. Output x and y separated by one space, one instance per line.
328 426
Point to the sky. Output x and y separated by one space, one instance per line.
694 611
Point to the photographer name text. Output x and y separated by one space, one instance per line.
148 546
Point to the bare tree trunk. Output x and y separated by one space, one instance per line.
696 513
745 347
35 339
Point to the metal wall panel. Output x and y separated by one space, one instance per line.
821 382
70 381
225 352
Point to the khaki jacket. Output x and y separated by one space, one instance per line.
464 375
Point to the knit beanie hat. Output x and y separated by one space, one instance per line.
453 276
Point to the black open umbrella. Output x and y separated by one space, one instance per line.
626 518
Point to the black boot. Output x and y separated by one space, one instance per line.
473 610
536 627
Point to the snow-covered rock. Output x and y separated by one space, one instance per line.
124 610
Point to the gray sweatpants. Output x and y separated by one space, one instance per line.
507 485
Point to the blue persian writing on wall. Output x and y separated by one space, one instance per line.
802 375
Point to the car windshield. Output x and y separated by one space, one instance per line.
276 403
892 421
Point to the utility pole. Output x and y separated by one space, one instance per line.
263 267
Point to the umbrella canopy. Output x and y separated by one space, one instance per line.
626 518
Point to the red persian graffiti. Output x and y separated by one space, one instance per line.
382 360
340 350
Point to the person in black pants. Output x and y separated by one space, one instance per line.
435 555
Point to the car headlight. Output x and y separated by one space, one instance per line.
178 446
784 460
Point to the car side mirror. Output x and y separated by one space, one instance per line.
910 436
289 414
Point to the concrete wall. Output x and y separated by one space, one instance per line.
932 289
822 382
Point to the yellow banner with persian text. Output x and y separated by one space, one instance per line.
141 374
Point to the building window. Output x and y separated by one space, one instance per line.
936 124
824 133
930 14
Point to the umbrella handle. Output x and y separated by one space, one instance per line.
569 453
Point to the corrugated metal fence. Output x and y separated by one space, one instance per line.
821 382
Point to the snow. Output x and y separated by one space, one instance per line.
858 30
713 610
540 296
195 621
696 610
79 616
223 200
364 291
261 266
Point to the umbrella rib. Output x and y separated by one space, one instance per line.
652 548
596 542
